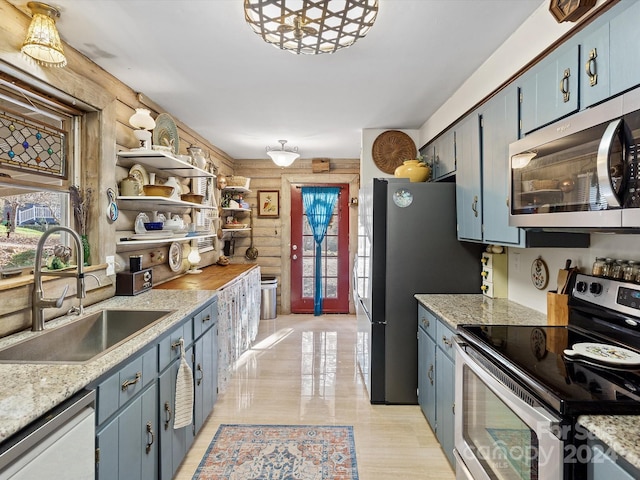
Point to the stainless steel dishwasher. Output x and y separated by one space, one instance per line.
59 445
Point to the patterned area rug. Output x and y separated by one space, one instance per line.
280 452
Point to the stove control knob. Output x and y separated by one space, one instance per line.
581 287
595 288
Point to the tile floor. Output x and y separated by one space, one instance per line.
302 370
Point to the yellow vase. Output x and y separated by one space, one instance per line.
415 170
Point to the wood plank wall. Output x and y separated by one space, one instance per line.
272 235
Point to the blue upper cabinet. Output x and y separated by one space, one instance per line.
468 178
499 129
624 47
550 90
594 57
444 155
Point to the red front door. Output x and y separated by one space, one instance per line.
335 256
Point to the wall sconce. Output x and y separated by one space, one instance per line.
143 122
194 259
42 43
283 157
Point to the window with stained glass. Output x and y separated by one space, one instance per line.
35 167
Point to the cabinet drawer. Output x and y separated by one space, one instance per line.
487 288
205 319
427 321
444 339
167 350
487 275
124 384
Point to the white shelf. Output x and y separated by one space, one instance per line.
125 235
236 209
225 230
236 190
147 203
161 162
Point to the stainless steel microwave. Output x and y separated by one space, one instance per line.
580 172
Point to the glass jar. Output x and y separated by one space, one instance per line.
598 267
606 268
629 271
616 270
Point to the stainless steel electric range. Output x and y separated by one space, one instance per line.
520 389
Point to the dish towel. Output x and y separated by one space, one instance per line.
184 393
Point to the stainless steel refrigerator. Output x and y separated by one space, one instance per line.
407 245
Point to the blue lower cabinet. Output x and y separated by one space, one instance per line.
173 442
127 444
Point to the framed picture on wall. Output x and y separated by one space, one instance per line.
268 203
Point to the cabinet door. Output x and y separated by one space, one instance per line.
127 444
444 161
205 376
427 376
468 180
173 442
550 90
445 403
595 61
624 52
499 129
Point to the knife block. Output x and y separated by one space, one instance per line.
557 316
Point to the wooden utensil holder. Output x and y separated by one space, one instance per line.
557 316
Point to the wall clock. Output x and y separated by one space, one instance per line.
391 148
569 10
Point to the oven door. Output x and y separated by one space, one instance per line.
501 434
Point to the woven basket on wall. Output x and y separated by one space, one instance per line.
236 181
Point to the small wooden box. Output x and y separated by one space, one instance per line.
319 165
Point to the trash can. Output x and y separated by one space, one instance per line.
268 286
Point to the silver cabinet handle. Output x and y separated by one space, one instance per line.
150 436
167 415
430 374
425 322
591 68
199 368
126 384
474 205
564 85
446 341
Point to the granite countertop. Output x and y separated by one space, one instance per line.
620 432
30 390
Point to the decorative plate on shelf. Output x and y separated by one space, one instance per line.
139 173
539 274
166 133
175 257
391 148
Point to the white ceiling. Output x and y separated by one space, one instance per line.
200 61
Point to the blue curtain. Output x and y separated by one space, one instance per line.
319 203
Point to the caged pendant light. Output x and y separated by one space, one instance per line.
42 43
308 26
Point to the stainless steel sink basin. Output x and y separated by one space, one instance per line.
84 339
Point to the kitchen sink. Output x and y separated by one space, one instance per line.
84 339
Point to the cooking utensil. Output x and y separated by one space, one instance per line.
252 252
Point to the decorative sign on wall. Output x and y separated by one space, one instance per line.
268 203
31 146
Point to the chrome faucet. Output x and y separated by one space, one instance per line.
38 302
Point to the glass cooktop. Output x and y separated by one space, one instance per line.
535 356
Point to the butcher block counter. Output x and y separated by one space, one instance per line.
213 277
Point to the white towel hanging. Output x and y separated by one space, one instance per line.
184 393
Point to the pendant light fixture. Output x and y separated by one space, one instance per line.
283 157
311 26
43 41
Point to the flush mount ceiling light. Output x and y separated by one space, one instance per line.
283 157
43 42
310 27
